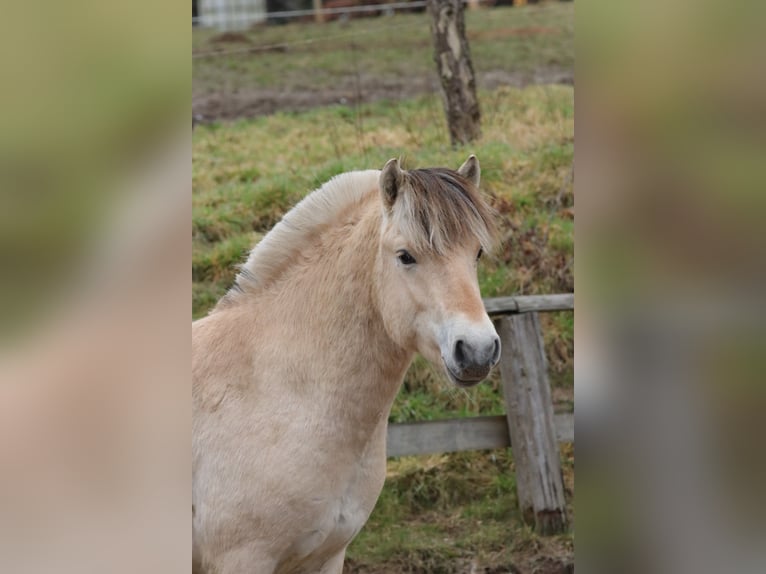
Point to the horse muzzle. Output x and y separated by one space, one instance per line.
469 362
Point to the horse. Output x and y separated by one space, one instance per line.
295 369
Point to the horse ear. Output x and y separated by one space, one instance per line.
391 178
471 170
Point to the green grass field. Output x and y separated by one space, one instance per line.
438 513
301 65
400 45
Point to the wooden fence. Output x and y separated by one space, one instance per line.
529 425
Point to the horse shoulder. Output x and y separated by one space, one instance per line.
220 352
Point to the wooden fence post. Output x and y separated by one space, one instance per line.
523 368
318 16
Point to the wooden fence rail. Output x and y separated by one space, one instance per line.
528 303
529 425
457 435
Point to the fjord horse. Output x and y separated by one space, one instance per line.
296 368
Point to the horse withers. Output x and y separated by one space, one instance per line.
296 368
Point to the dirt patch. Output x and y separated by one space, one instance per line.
234 103
510 32
539 76
251 48
524 564
230 38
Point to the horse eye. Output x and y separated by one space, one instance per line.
481 252
405 258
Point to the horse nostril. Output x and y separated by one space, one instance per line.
496 351
459 353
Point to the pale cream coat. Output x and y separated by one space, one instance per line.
295 371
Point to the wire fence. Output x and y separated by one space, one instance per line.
330 67
268 69
279 46
241 14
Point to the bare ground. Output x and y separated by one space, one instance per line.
535 561
253 101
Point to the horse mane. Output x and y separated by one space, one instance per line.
298 228
436 209
439 209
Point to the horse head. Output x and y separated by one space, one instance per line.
435 227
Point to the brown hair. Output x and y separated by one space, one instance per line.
438 209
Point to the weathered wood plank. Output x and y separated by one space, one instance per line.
531 425
564 423
529 303
455 435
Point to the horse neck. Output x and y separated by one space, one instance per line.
332 309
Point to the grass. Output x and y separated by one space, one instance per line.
399 45
246 174
289 67
437 513
446 513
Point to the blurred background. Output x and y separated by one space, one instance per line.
283 99
670 269
96 194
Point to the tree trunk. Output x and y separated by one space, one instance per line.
453 64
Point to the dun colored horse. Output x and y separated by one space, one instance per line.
296 368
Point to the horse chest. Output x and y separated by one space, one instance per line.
337 517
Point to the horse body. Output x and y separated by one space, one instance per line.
295 371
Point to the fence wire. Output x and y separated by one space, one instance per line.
243 14
246 19
307 41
